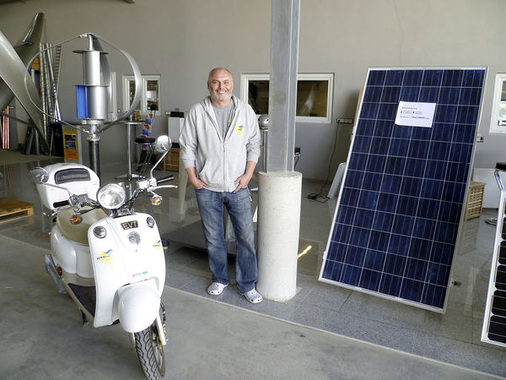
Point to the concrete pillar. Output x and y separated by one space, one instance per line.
278 234
279 190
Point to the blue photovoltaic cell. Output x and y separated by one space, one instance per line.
398 213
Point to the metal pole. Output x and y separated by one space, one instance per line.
94 149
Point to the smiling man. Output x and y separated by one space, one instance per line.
220 86
220 147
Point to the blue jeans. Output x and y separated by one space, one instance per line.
239 208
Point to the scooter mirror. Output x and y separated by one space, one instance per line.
162 144
39 175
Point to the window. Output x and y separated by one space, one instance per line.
498 117
314 95
150 96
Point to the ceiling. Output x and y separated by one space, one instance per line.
2 2
10 1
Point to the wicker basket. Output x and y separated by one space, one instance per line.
171 160
474 199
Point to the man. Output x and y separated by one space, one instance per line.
220 147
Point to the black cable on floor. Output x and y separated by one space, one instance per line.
319 197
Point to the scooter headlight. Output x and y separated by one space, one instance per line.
111 196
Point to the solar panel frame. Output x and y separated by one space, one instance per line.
383 210
494 318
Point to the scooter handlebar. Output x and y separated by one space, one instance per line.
166 187
165 179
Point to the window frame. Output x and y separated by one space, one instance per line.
496 127
143 103
328 77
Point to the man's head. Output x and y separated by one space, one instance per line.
220 86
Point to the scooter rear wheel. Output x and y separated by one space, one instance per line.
150 352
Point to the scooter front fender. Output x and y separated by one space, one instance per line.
138 305
131 252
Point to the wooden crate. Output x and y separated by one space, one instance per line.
11 209
474 199
171 160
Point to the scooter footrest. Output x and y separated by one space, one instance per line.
86 295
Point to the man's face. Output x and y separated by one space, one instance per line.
220 86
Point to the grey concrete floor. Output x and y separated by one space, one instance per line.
452 338
42 338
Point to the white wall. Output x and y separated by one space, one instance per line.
183 39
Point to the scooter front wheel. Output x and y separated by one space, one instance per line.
150 352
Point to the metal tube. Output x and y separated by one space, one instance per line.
94 149
91 67
264 149
498 179
97 102
94 156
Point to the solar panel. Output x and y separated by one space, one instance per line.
399 209
494 323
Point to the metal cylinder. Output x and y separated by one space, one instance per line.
264 149
91 67
96 100
263 123
94 156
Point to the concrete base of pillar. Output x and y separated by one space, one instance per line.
279 200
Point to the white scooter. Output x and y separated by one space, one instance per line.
110 262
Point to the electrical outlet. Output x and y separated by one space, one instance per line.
344 120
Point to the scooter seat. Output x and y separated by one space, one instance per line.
78 232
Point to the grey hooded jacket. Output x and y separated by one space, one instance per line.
218 160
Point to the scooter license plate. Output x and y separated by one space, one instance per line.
129 225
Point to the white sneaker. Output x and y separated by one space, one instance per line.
216 288
253 296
